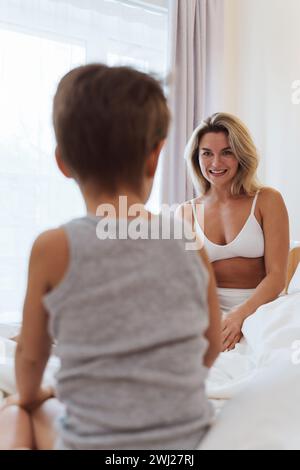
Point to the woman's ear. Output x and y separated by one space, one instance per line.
61 164
152 161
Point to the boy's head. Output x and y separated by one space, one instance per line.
109 121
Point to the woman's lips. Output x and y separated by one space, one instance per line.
217 173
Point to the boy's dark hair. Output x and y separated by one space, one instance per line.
107 120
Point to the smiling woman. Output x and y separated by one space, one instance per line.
220 164
245 226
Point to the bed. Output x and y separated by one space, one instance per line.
255 388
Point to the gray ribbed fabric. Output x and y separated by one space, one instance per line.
129 319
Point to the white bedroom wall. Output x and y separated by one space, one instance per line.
262 60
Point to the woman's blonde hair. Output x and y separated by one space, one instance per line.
240 140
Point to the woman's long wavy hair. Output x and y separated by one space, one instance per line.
240 140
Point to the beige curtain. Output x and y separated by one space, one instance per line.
196 63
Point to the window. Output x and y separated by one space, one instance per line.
39 42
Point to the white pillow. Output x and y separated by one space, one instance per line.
294 285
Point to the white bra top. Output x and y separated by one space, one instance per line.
249 243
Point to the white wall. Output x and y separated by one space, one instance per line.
262 59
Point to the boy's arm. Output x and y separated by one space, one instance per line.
213 333
34 343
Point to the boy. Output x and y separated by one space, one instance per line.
129 316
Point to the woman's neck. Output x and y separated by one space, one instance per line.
221 194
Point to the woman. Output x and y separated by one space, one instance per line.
245 226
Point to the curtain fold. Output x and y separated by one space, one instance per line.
196 30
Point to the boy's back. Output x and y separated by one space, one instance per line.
129 319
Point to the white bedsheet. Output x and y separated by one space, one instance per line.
269 336
262 375
259 375
265 415
7 353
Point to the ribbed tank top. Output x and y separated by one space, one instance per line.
129 320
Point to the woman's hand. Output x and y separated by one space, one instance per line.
43 395
231 330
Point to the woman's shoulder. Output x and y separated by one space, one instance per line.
270 198
185 210
192 202
266 193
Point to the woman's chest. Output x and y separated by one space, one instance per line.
223 223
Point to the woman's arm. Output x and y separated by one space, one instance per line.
276 233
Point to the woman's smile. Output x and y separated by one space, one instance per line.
217 173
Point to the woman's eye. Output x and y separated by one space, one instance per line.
227 153
205 154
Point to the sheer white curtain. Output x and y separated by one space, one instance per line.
40 40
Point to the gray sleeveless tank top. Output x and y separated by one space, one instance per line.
129 319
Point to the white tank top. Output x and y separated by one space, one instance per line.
249 243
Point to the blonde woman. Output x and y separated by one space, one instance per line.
245 226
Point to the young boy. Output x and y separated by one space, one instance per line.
129 317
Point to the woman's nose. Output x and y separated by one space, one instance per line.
217 159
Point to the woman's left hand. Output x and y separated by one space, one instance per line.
231 330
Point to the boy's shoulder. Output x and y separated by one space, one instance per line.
50 254
49 241
55 242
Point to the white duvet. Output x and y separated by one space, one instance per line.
270 335
261 377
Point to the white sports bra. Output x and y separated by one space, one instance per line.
249 243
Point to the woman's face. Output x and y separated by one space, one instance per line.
217 162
